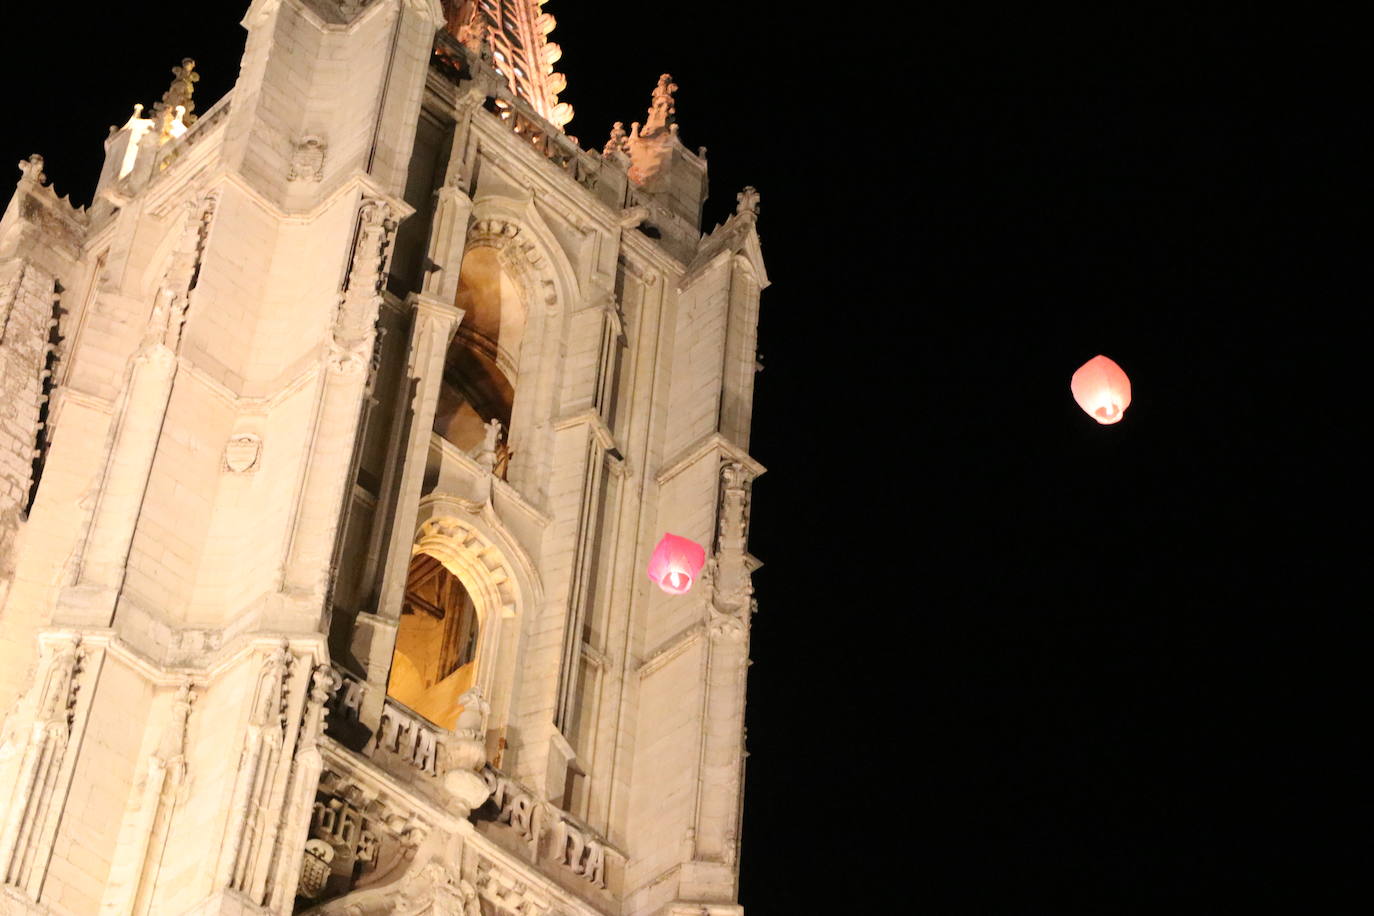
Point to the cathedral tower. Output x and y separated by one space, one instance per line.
335 437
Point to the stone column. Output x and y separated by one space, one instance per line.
434 324
448 236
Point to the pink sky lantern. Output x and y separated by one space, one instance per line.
676 563
1102 390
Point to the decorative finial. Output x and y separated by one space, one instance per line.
32 168
177 126
662 109
619 142
748 201
178 96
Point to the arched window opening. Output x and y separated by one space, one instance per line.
435 659
472 393
480 368
493 307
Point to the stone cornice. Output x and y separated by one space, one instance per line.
359 183
545 178
671 649
591 419
714 442
241 402
214 665
360 769
738 236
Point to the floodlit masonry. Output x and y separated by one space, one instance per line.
335 436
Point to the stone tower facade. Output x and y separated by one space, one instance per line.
335 437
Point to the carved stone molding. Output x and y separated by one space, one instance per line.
515 805
507 892
732 584
730 626
354 331
409 738
435 890
452 538
360 839
519 255
278 770
570 845
582 854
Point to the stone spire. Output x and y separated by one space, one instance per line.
517 31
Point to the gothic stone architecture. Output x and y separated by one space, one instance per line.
335 436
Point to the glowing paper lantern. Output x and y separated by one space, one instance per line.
676 563
1101 389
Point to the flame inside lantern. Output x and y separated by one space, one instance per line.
675 563
1102 389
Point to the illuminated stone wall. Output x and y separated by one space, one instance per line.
265 328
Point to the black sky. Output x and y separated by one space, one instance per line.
1030 663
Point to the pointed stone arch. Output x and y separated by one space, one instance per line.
527 249
472 543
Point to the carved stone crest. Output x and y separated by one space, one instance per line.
242 452
307 159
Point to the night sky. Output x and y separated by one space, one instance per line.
1025 662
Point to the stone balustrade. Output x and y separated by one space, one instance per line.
413 740
421 747
401 735
572 844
